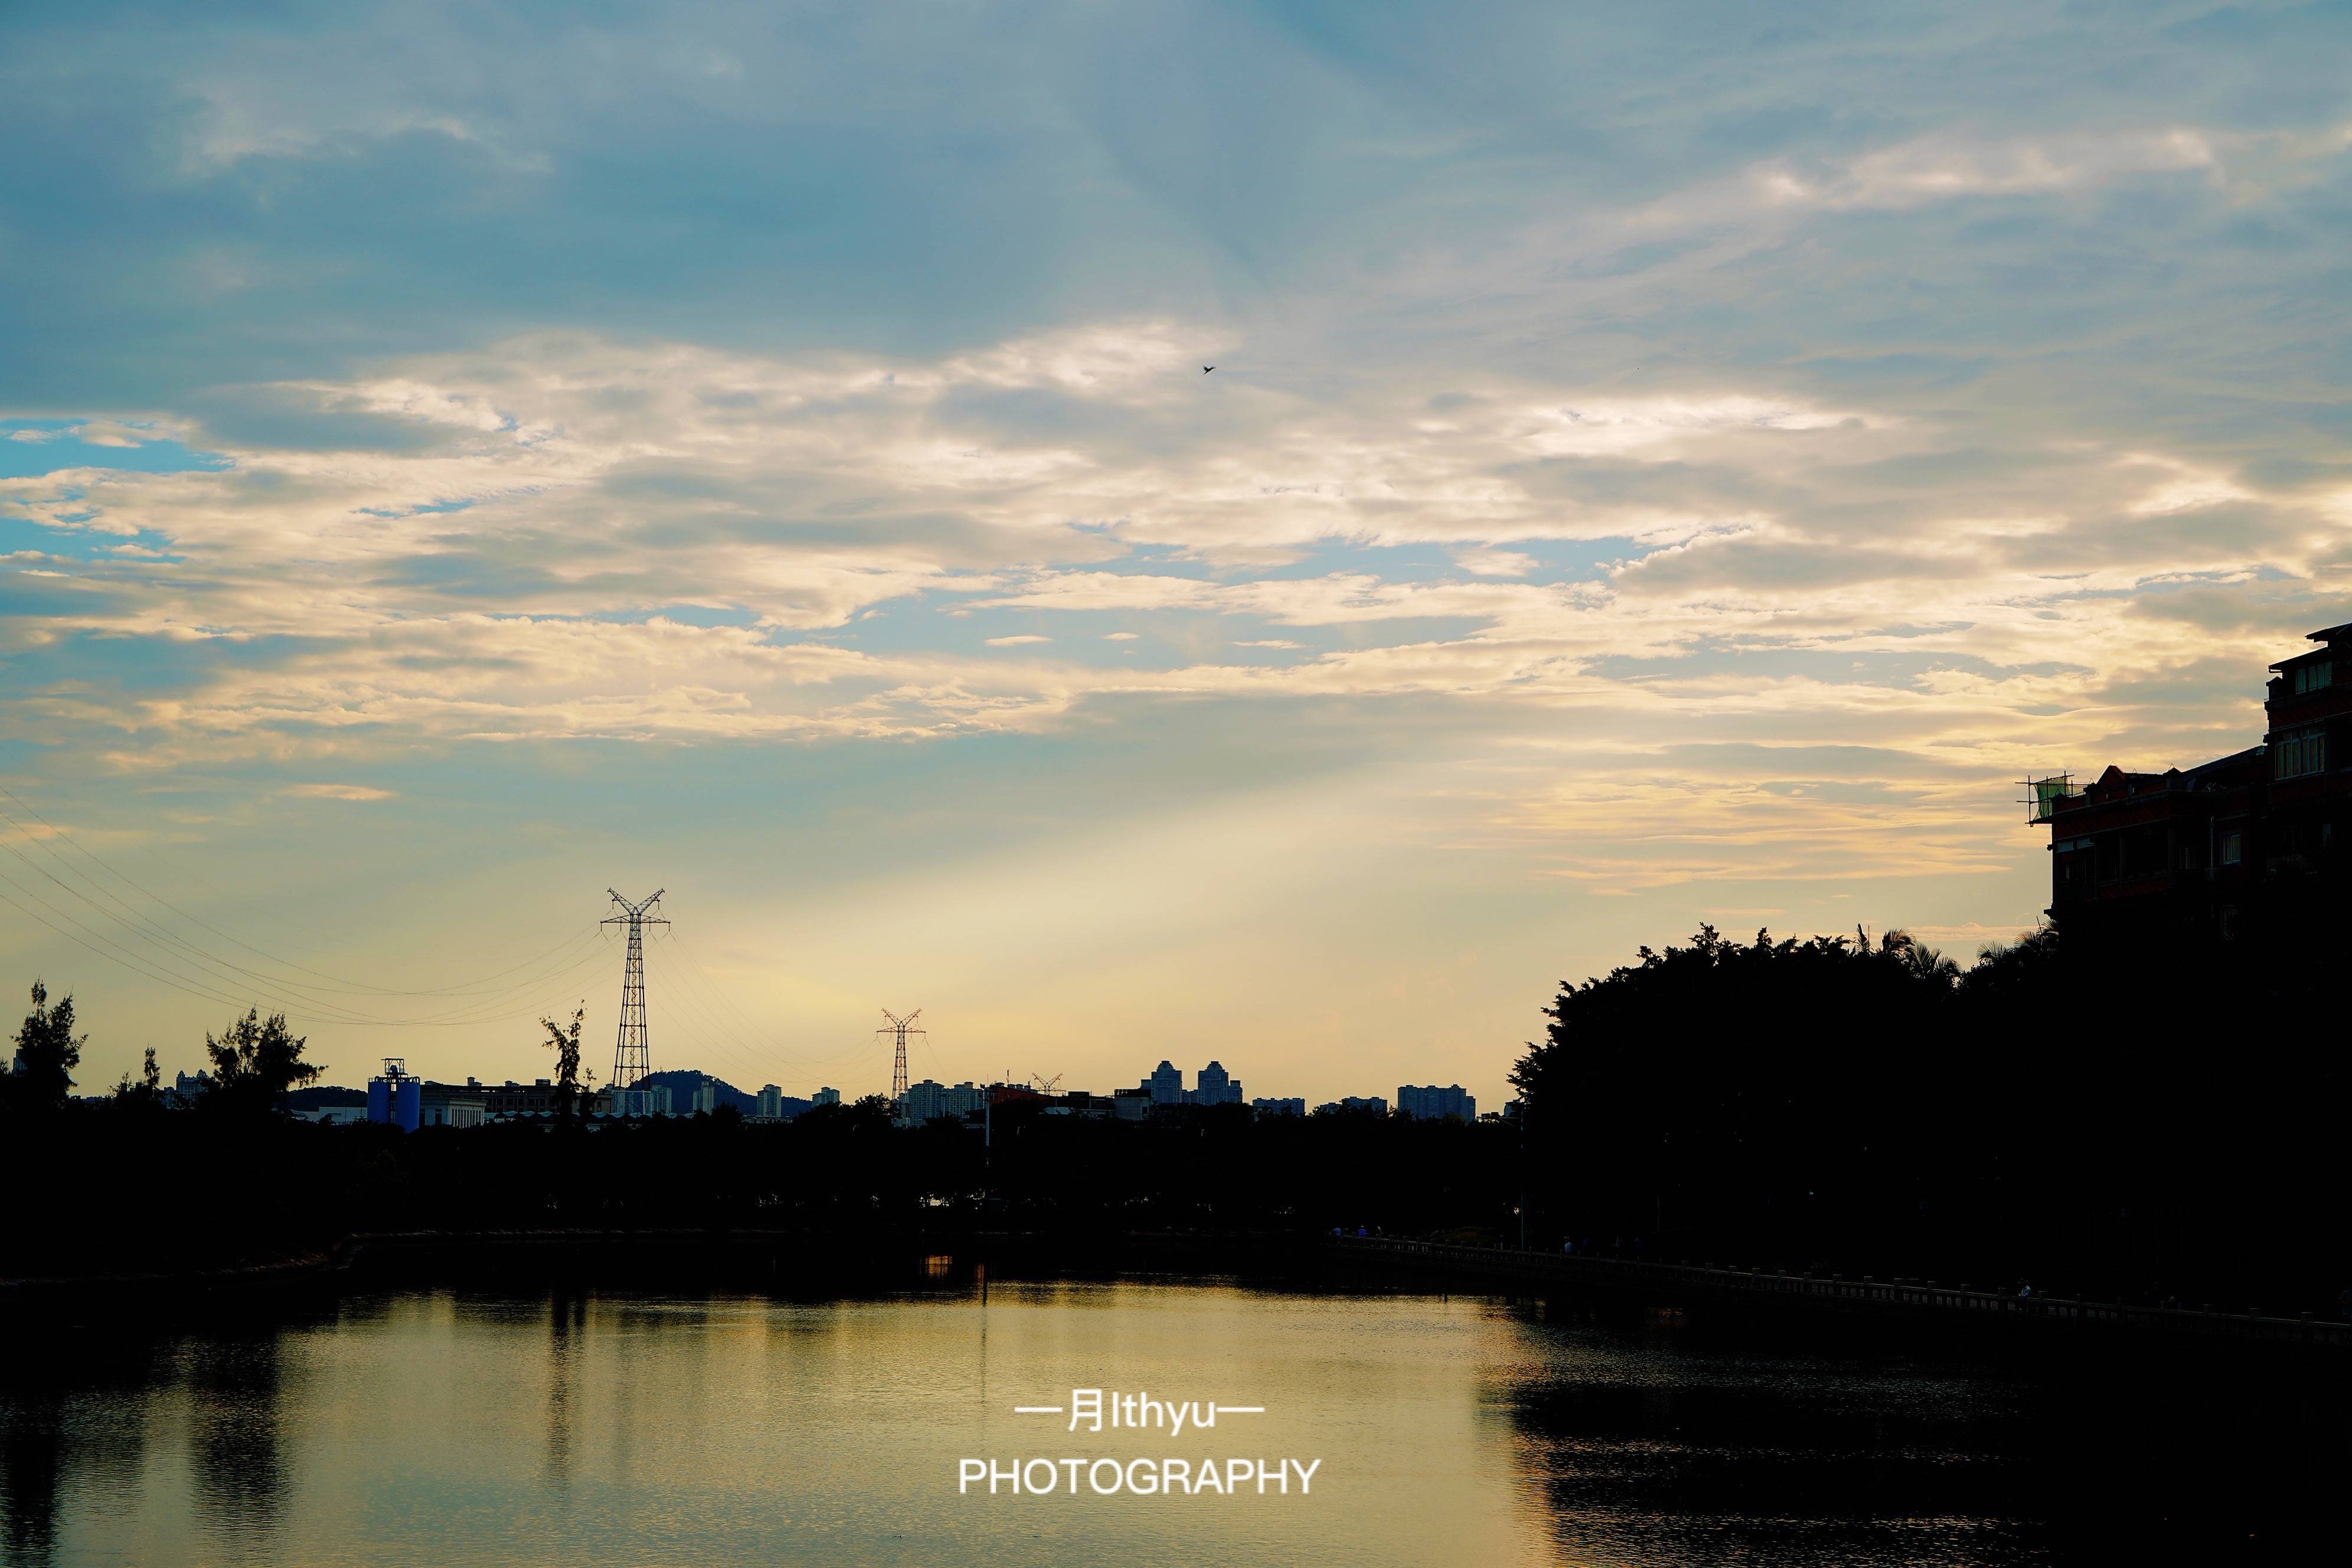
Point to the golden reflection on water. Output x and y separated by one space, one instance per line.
438 1429
613 1429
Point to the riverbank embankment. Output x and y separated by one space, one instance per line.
1919 1300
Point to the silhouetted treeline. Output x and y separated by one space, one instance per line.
2155 1125
125 1186
2149 1124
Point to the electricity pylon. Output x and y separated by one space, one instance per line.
901 1028
632 1055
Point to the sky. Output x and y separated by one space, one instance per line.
1664 465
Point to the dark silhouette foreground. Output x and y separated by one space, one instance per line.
2157 1127
2142 1125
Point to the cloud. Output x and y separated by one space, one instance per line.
1942 168
110 433
592 540
608 415
335 792
1484 562
1621 426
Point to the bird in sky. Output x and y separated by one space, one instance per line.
1207 368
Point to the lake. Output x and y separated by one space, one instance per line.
608 1427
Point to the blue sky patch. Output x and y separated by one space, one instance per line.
31 447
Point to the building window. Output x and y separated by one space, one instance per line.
2233 849
2314 676
2299 752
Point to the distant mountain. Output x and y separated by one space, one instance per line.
682 1082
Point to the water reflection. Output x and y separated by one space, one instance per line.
239 1473
1659 1457
576 1425
73 1431
567 1321
32 1471
1812 1443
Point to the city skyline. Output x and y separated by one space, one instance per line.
184 1086
452 463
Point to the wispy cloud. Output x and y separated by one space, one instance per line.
335 792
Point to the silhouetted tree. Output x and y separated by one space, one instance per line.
563 1039
2059 1110
147 1091
1924 963
1722 1090
2028 962
256 1063
47 1051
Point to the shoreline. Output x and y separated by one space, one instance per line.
1919 1300
783 1257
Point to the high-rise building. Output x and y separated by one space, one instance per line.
1433 1103
771 1102
1215 1088
930 1100
706 1096
1166 1085
634 1102
825 1096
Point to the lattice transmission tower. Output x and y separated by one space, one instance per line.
632 1055
901 1028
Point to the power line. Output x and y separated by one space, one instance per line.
152 949
116 956
706 1032
180 957
166 961
693 975
213 987
173 946
725 1003
354 987
757 1055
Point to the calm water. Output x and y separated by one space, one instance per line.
445 1428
